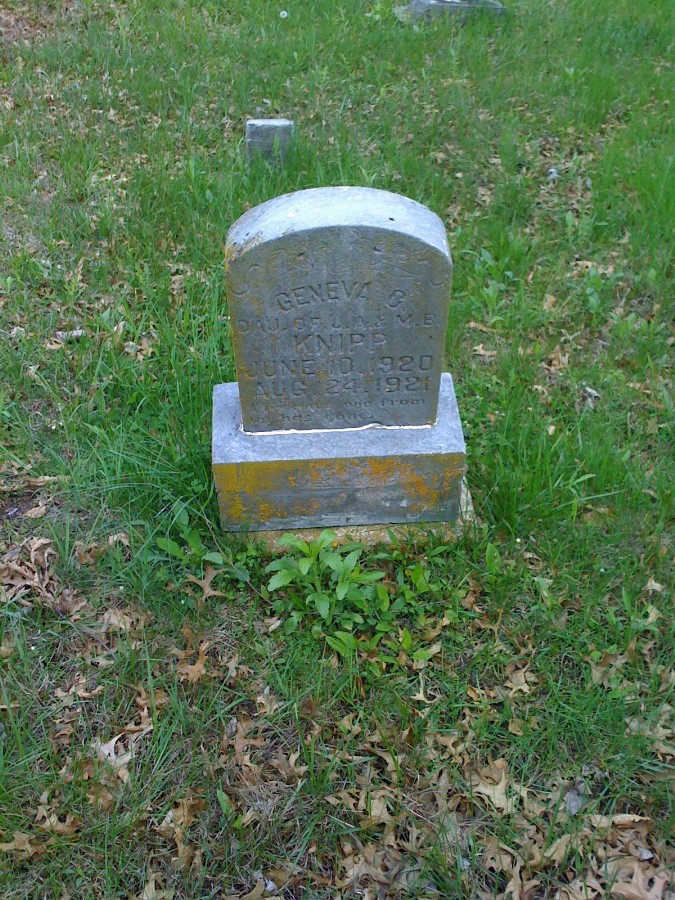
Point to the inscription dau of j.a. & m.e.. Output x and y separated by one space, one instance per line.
340 325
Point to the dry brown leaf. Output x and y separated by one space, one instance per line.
558 849
117 619
487 355
653 587
377 808
606 668
87 554
194 672
519 680
584 888
632 880
107 754
621 820
25 846
27 576
37 512
516 727
78 689
421 696
367 865
478 326
290 772
152 889
653 614
492 781
257 892
18 485
205 585
557 361
294 876
99 796
348 726
187 810
7 645
242 741
266 702
660 734
51 822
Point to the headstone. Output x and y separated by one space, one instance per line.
341 415
338 306
269 139
429 9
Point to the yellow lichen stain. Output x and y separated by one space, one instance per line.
230 256
265 512
229 501
260 492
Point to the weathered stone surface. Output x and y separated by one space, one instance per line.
268 138
401 532
338 303
428 9
349 477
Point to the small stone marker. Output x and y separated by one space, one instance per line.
268 138
428 9
341 416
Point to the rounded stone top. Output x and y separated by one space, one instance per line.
337 207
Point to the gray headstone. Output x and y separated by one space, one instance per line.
268 138
428 9
338 303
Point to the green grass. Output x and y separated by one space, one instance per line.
121 151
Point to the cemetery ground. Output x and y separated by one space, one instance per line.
160 734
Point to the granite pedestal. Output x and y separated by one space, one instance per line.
320 478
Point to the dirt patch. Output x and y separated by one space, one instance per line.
16 234
15 507
21 27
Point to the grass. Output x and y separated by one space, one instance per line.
121 131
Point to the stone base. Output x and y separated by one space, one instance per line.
428 9
370 535
282 481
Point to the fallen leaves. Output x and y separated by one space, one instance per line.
195 671
117 761
48 818
27 577
88 553
60 338
205 584
492 781
37 512
24 846
24 483
173 828
486 355
153 889
605 667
